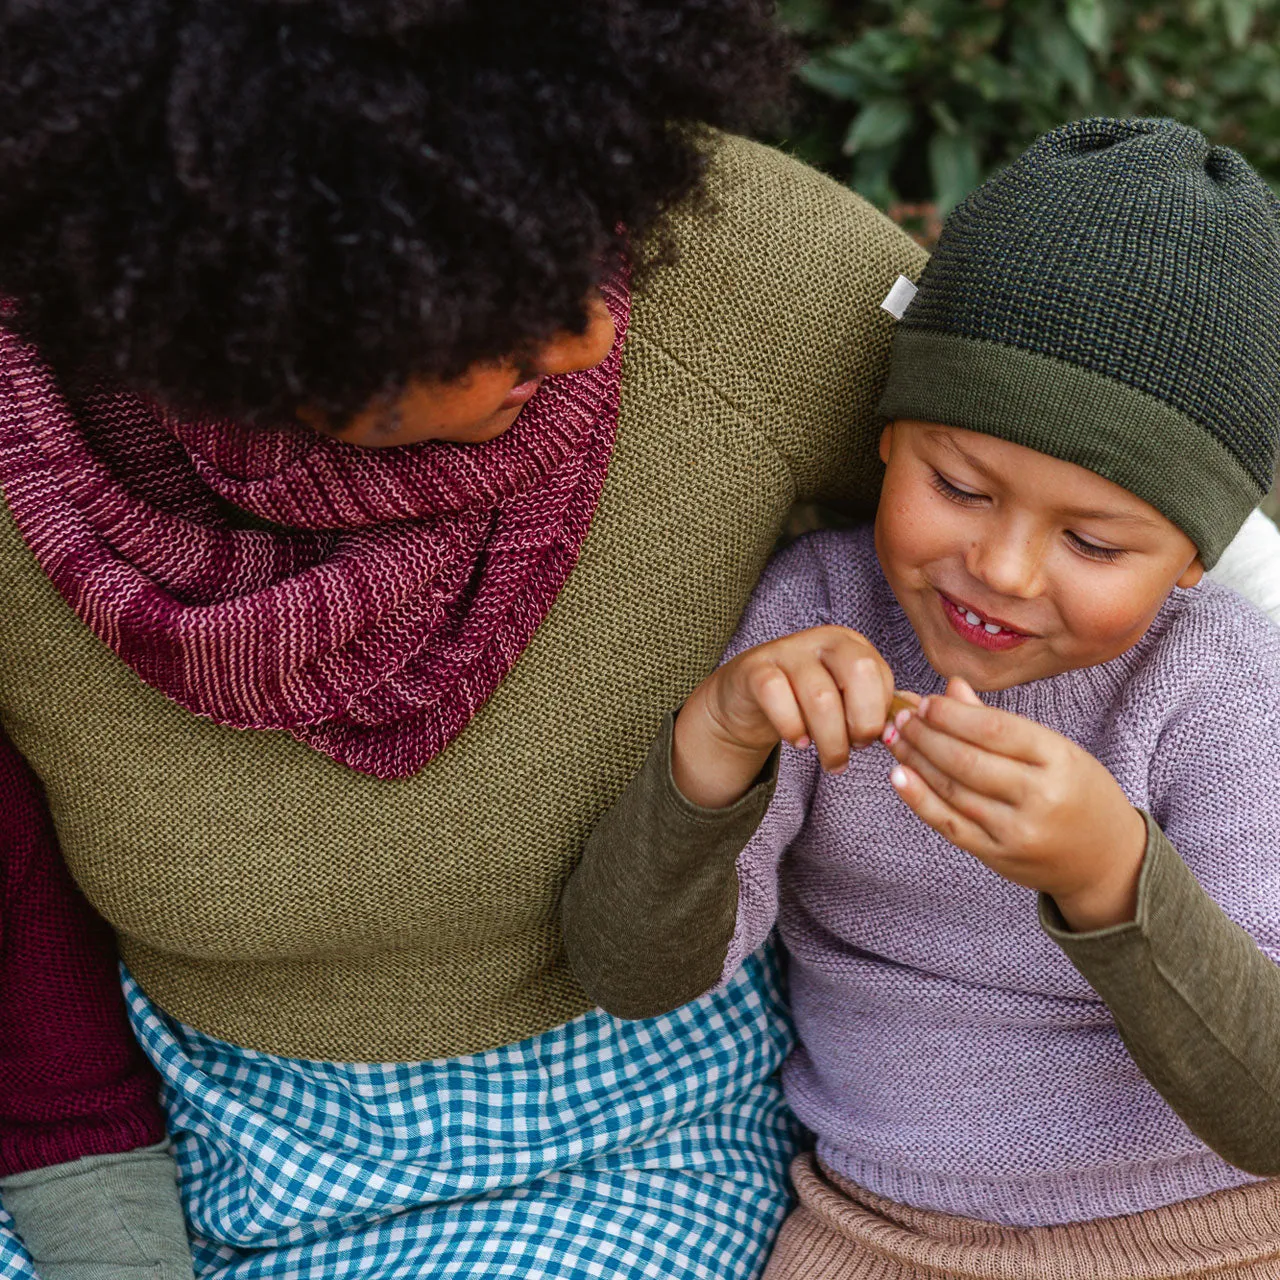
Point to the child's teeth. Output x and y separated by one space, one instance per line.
990 628
972 618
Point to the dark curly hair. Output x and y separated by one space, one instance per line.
238 205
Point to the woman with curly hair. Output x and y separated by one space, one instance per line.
398 400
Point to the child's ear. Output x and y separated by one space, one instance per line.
1192 574
886 438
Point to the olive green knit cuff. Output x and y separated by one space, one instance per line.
1069 412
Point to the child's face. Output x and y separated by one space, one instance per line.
1071 567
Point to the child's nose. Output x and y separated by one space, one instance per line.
1010 565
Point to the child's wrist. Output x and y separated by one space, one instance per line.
709 769
1113 899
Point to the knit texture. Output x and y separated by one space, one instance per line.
951 1057
842 1232
272 898
72 1080
1111 298
395 591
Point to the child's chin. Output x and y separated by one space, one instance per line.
991 675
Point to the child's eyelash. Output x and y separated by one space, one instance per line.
948 490
1092 550
1107 555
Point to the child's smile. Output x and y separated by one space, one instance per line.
984 631
1013 565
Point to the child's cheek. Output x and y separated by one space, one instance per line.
910 529
1105 621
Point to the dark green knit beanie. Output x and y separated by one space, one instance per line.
1112 298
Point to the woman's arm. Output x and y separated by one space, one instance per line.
651 912
77 1097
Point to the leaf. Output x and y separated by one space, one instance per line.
835 82
1238 16
804 17
1067 58
954 168
1090 20
872 175
993 80
1142 77
943 114
881 123
1269 85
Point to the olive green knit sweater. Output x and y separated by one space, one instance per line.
275 899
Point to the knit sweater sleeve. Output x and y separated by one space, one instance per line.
670 897
1193 981
73 1081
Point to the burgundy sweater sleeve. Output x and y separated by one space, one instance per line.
73 1081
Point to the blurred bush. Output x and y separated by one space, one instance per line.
913 102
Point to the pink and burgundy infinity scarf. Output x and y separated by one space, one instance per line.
388 594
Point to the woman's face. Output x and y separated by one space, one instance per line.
482 403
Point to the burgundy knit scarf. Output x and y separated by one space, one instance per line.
390 593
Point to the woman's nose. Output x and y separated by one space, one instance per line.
568 352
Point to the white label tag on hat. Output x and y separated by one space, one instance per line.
899 297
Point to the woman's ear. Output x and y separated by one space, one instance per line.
886 441
1192 574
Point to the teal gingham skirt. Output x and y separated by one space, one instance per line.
602 1148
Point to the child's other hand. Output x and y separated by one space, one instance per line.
827 685
1031 804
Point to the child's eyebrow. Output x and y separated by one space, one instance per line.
949 442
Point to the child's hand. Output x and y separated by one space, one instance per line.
827 685
1031 804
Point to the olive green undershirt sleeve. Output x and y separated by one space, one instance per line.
111 1217
649 912
1197 1004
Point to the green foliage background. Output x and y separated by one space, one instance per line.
914 102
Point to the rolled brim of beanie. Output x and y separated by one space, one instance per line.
1072 413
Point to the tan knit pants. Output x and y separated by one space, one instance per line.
841 1232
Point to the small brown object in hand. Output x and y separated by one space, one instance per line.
902 702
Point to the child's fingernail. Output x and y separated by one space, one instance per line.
901 718
802 743
923 707
898 777
890 734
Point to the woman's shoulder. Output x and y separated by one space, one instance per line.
768 290
772 264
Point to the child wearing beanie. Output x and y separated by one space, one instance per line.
1031 902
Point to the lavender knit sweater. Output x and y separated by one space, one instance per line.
951 1057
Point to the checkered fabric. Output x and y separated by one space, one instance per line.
15 1261
601 1148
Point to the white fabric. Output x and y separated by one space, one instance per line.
1251 564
